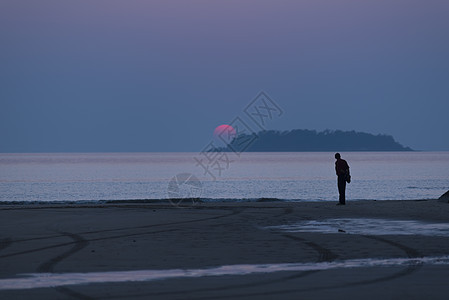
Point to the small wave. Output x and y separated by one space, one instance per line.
81 202
144 201
425 188
269 200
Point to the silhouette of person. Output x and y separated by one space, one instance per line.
342 171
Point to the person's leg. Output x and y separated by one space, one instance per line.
341 189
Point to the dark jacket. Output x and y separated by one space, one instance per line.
341 167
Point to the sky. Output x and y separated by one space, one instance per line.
143 76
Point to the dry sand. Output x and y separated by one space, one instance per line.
124 237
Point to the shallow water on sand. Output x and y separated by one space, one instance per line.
367 227
45 280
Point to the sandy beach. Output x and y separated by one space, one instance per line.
247 250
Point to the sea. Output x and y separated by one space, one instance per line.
221 176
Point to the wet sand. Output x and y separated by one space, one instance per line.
61 239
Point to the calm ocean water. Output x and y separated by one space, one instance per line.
285 176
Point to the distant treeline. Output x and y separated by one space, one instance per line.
311 140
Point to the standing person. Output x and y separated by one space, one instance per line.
342 171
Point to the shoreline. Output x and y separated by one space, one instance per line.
195 200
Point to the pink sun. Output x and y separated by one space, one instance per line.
225 132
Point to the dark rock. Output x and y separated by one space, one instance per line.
444 197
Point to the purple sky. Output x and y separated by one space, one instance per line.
161 75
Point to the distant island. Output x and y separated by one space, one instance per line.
302 140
